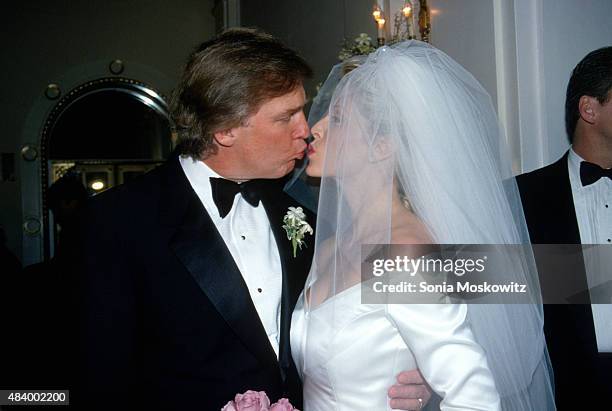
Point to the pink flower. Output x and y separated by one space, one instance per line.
283 405
249 401
230 406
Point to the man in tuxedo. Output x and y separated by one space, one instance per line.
570 202
185 277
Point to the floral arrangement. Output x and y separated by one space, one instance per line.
296 227
257 401
362 45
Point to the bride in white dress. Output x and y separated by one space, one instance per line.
410 153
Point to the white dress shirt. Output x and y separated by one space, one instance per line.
249 238
593 204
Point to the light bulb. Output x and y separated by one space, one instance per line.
97 185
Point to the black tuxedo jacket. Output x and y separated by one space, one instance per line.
166 319
582 375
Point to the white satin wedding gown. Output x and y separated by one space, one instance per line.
352 366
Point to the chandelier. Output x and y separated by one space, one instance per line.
410 20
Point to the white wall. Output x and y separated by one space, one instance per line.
480 35
465 31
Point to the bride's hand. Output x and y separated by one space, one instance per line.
411 392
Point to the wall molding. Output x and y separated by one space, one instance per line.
532 111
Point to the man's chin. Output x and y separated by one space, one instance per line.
288 168
279 173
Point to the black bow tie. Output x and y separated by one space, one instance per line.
590 173
224 191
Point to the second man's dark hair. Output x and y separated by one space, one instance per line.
591 77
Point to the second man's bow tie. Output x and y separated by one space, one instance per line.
590 173
224 191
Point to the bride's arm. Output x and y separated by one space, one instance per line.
447 354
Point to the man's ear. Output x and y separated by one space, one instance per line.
589 108
225 138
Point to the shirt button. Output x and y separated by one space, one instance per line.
606 206
243 237
260 290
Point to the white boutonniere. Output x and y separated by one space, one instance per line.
296 227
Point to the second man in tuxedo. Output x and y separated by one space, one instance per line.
570 202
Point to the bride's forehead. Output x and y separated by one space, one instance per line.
353 105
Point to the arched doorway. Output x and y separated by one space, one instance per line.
102 133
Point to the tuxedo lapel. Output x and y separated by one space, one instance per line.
294 269
568 232
548 203
200 248
551 218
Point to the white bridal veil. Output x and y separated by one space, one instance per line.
411 121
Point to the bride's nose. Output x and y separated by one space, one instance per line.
316 134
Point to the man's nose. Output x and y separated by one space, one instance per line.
302 131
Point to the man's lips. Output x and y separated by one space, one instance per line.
310 150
